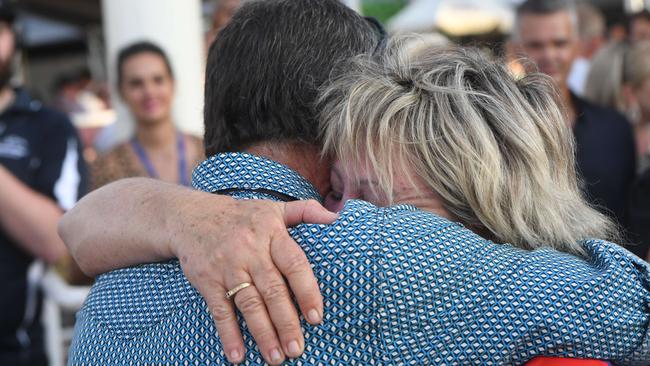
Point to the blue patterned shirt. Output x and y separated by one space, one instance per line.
401 287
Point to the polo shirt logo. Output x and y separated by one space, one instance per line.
14 147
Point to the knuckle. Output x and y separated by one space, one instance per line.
295 262
276 290
249 303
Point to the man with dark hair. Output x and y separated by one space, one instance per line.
546 31
280 92
400 286
41 174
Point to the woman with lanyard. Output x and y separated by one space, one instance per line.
157 150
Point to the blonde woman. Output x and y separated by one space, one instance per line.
455 134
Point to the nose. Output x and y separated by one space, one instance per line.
148 89
549 54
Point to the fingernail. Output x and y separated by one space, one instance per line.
235 356
276 356
294 348
314 316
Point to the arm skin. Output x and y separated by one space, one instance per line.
217 240
104 232
30 218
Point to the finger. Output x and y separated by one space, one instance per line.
251 305
225 319
292 262
276 296
308 211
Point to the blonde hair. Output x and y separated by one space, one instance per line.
604 84
637 64
617 64
591 21
496 150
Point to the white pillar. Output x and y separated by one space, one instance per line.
354 4
176 26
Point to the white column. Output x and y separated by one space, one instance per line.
176 26
354 4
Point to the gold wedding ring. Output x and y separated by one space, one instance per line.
232 292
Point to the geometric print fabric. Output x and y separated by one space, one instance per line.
400 286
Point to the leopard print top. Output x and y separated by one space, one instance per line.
122 162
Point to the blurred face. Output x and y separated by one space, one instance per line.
147 88
345 186
640 30
7 50
549 40
354 181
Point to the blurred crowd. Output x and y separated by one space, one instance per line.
603 76
601 71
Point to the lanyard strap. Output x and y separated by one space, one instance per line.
151 171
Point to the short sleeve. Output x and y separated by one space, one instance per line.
62 173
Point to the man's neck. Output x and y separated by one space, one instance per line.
303 158
7 96
156 135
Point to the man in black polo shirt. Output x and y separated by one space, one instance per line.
41 175
546 31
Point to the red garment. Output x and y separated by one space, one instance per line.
557 361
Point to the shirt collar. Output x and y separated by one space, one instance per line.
243 171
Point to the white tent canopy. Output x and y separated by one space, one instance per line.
40 31
455 17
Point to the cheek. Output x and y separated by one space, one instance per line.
166 91
136 100
132 97
567 55
7 45
375 197
352 194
